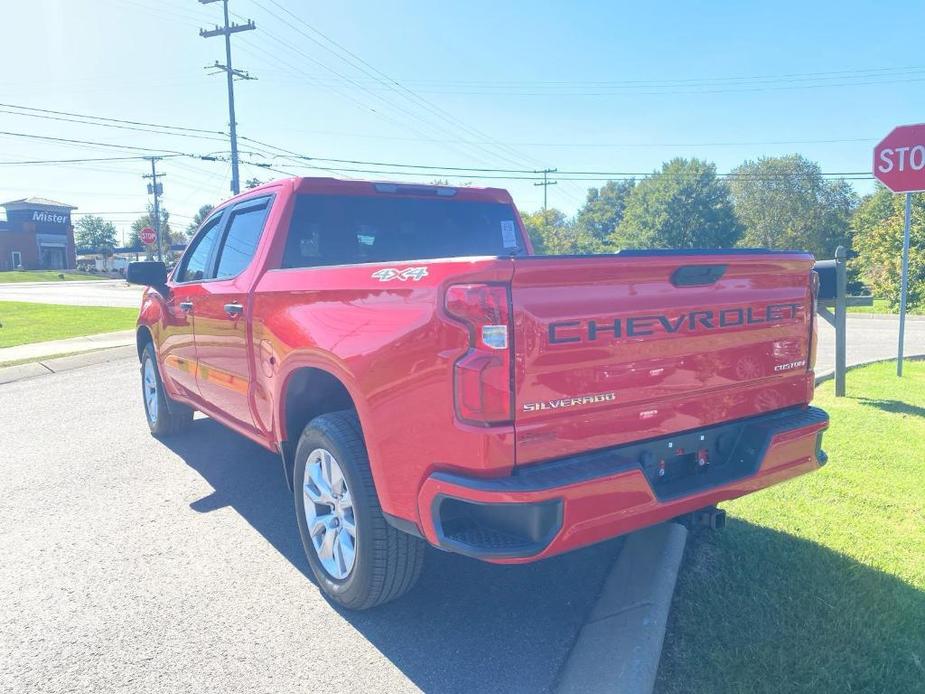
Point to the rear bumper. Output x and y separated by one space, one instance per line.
553 507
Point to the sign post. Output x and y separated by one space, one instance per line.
904 285
899 164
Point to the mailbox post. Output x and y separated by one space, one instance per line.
833 294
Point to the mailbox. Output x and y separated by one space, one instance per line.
827 278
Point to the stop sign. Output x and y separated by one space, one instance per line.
899 159
147 236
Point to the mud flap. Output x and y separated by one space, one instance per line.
287 457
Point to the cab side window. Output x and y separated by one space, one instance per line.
196 265
245 225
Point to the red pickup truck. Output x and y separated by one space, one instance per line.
425 378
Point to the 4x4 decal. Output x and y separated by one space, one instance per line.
391 273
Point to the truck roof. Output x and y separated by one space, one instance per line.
336 186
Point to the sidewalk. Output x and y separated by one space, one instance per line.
42 350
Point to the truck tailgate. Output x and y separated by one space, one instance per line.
620 348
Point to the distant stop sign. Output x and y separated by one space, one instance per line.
148 236
899 159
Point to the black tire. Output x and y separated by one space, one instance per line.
387 561
167 419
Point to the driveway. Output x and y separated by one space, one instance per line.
868 338
128 565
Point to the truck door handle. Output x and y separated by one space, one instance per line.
234 309
186 306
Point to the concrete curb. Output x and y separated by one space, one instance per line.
829 374
619 647
32 369
39 351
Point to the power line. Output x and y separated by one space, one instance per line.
666 88
679 92
67 161
392 85
649 83
110 125
113 120
740 143
395 85
96 144
408 114
425 169
531 144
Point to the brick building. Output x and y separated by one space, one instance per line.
37 235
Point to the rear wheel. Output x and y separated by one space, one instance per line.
163 419
358 559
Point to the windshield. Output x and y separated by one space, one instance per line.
343 229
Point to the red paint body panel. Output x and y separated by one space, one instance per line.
395 354
663 381
394 348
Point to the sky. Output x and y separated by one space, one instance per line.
520 86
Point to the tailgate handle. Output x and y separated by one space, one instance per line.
697 275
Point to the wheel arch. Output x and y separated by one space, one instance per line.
143 338
307 392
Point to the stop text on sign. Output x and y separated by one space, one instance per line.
899 159
902 158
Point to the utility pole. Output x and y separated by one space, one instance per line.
231 73
156 189
546 183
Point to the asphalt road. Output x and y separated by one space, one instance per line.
868 338
79 293
133 566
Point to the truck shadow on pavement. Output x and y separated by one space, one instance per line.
467 626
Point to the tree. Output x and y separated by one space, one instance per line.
553 233
878 238
148 221
252 183
603 211
198 219
684 205
784 202
93 232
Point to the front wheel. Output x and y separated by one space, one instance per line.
163 420
358 559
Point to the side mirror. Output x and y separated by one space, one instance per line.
151 273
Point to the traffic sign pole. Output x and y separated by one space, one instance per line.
904 285
899 164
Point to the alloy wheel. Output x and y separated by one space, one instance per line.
149 389
329 513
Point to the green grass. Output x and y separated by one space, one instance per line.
883 306
24 323
45 276
818 584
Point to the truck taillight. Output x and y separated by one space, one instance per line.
482 376
813 336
